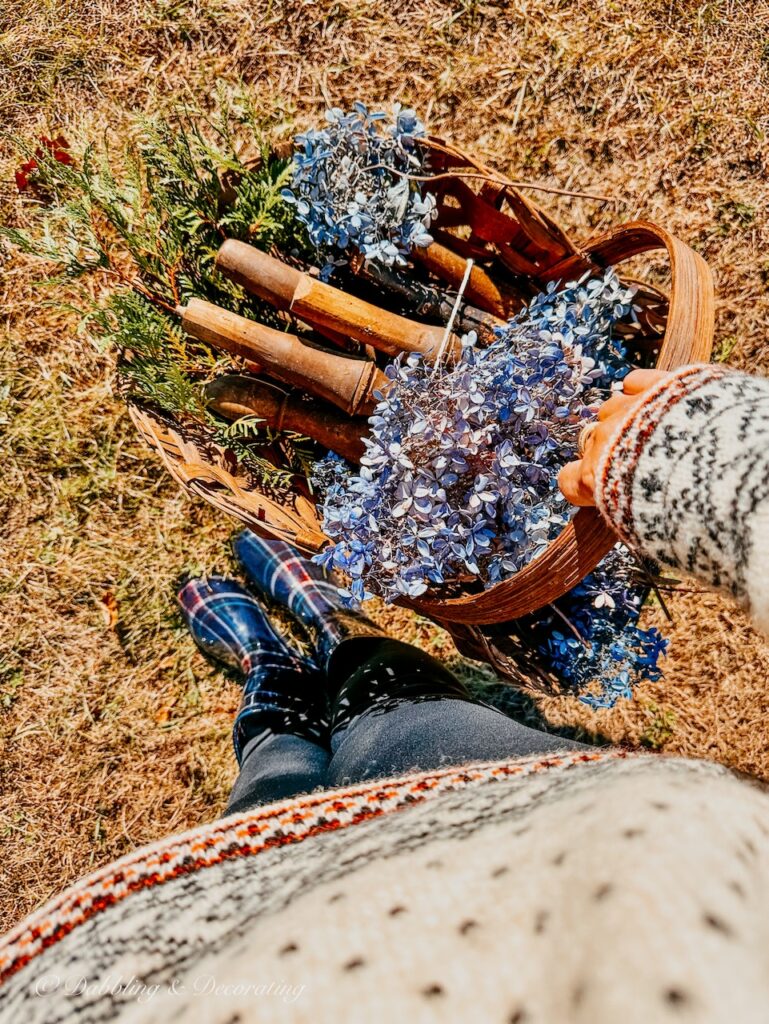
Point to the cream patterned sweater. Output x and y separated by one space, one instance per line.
594 887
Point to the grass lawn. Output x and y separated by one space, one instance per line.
114 730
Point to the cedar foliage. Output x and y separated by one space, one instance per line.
149 220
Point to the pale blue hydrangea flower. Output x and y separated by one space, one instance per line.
459 475
350 185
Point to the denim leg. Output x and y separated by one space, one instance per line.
280 766
427 733
401 710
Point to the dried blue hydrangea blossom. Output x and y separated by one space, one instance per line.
459 476
590 638
351 186
460 480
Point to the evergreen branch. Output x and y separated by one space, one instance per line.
149 219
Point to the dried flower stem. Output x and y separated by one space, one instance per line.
499 180
441 354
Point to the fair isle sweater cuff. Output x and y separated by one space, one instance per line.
685 480
617 468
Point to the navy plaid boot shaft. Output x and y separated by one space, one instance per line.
282 691
228 624
280 573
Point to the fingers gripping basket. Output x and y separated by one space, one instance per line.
517 249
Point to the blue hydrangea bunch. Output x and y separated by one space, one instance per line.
351 186
590 639
459 477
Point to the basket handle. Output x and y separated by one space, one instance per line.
691 312
587 538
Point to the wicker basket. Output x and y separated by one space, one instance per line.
520 248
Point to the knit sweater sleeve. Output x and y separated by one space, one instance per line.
685 480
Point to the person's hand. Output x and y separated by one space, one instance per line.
577 479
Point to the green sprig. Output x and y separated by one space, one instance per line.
149 220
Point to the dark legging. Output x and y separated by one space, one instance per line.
396 710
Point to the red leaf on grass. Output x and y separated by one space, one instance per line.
58 148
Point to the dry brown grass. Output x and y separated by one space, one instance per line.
117 733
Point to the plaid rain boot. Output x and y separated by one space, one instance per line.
279 572
282 692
